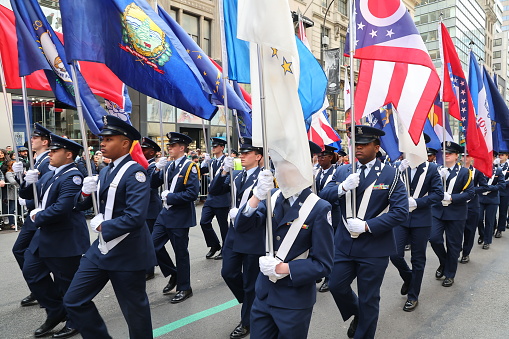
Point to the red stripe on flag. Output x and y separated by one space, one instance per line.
398 79
425 104
363 87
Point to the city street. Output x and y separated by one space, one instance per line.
476 306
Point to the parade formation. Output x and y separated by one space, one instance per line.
295 217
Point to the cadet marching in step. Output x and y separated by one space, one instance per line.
318 233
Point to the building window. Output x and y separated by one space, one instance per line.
497 42
207 48
497 54
191 24
497 66
343 7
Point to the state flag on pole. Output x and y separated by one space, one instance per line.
268 23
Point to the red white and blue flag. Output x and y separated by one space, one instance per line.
396 67
320 130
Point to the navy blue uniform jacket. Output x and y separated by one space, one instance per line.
155 205
217 200
497 185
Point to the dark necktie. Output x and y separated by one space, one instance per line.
110 169
244 177
363 173
286 207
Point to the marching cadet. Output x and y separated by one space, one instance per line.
432 155
61 237
123 250
504 195
341 158
489 201
303 244
323 177
40 142
150 148
425 190
479 182
215 205
450 214
363 244
177 216
241 250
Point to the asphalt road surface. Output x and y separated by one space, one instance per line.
476 306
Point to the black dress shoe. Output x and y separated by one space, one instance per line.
181 296
65 332
440 272
48 325
324 288
404 288
29 300
352 328
410 305
171 285
149 276
239 332
480 240
212 251
465 259
448 282
498 234
219 256
486 246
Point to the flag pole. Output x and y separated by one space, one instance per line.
444 136
211 175
224 58
266 163
27 128
352 101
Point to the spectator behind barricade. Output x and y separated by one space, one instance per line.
4 160
23 157
237 164
82 167
195 159
99 162
198 152
9 200
10 152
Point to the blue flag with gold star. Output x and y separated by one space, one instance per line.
212 76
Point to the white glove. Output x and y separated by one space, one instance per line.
164 194
34 212
495 162
18 167
268 267
404 165
443 172
96 222
206 158
163 161
22 202
233 213
32 176
351 182
356 225
89 184
228 164
264 185
447 200
412 204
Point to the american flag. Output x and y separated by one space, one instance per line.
396 67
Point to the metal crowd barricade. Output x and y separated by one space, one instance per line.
204 186
10 208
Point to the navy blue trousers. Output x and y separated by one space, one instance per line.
207 214
470 228
453 230
132 298
486 222
502 213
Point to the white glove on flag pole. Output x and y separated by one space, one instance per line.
268 24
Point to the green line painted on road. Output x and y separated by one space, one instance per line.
194 317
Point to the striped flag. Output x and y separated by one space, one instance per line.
320 130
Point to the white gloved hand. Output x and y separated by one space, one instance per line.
404 165
443 172
228 164
351 182
495 162
22 202
96 222
18 167
89 184
316 170
412 204
34 212
163 161
32 176
264 184
233 213
356 225
447 200
164 194
206 158
268 267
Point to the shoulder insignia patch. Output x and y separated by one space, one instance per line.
140 176
194 170
77 180
329 217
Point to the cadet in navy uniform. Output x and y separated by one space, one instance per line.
323 177
479 182
489 201
215 205
123 250
150 148
450 214
241 250
285 287
363 244
425 190
341 158
432 155
61 237
504 195
177 216
40 142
